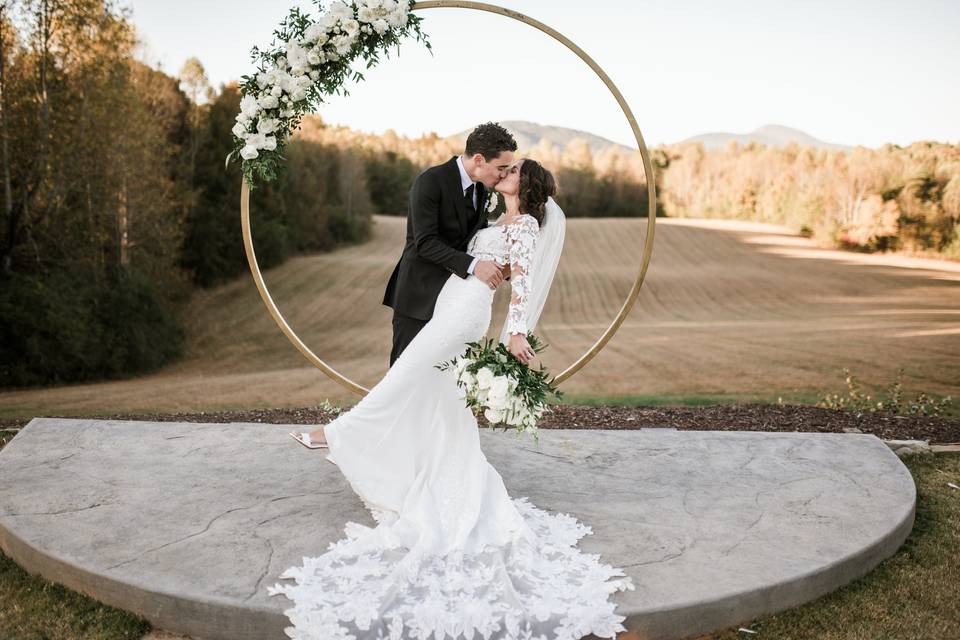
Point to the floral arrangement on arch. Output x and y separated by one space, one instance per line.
310 59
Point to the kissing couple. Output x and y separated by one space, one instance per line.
452 552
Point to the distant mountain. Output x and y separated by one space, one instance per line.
529 134
772 135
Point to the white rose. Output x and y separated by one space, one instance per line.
239 130
380 25
366 14
277 91
267 125
268 102
269 143
262 80
249 152
499 388
243 119
493 415
314 58
484 378
351 27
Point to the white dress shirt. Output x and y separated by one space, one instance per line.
465 182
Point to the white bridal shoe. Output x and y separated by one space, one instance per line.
304 439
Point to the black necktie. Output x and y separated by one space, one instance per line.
468 197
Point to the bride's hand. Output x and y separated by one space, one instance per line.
520 348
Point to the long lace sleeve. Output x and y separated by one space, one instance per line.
523 235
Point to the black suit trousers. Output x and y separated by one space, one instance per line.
404 330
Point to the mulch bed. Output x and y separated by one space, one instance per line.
725 417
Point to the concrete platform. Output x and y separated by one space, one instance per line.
186 524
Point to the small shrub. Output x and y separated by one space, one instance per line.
856 399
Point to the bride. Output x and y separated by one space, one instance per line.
452 553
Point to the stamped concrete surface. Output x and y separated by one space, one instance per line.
187 523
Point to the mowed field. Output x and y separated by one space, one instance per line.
729 310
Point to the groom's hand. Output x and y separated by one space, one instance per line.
489 271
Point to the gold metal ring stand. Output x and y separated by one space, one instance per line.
647 247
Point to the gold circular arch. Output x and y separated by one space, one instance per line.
651 217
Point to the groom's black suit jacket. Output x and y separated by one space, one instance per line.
440 223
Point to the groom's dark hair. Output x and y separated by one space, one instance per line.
489 140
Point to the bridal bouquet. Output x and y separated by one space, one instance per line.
496 383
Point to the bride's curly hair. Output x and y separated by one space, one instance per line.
536 185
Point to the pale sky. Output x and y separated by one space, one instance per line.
849 71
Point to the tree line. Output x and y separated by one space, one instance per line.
116 203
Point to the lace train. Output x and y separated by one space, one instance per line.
453 555
542 590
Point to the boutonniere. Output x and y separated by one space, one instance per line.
491 201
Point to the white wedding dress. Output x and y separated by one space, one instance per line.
452 554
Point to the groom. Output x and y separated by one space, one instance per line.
447 206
